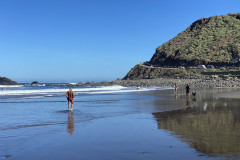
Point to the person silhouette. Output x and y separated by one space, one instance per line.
175 87
187 91
70 97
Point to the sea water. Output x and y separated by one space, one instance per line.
30 111
115 122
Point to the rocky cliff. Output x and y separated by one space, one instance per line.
7 81
214 40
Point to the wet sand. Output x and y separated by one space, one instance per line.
148 125
235 95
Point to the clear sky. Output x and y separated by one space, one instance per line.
91 40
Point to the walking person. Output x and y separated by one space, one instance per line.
187 91
175 90
70 98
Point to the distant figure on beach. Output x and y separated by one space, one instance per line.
70 98
175 90
187 91
175 87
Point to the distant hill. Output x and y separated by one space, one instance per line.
214 40
7 81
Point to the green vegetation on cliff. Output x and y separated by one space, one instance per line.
214 40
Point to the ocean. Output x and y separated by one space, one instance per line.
116 122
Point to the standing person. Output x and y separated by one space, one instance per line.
187 91
175 87
175 90
70 98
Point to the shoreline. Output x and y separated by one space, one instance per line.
181 83
196 82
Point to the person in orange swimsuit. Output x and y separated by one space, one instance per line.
70 98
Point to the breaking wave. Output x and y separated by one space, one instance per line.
32 92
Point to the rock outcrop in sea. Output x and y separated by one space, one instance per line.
34 83
7 81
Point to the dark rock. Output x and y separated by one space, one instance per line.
7 81
34 83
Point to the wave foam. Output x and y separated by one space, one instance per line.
10 86
62 91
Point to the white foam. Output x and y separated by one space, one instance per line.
10 86
39 85
54 90
131 90
33 97
72 83
61 91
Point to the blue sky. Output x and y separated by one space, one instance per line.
91 40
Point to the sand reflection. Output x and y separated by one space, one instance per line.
70 124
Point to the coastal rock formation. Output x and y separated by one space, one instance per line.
195 82
214 40
34 83
7 81
142 71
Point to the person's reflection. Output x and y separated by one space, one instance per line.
176 95
205 106
70 125
194 101
188 105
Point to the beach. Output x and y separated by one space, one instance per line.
119 80
232 95
118 122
